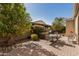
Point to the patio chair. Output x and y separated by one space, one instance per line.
72 39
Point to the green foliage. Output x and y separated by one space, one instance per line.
58 25
14 20
38 30
34 37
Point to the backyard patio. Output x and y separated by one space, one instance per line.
61 48
20 35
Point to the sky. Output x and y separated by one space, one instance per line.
49 11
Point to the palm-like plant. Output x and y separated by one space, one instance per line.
58 25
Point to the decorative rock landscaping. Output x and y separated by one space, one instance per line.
28 49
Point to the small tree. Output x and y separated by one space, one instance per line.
14 20
58 25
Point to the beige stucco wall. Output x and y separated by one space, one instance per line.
77 27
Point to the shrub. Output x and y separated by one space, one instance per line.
34 37
14 21
38 30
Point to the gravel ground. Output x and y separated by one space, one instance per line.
27 49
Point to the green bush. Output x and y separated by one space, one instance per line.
38 30
34 37
14 21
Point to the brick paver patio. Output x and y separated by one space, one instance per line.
62 50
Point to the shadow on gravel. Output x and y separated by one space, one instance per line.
27 49
60 43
